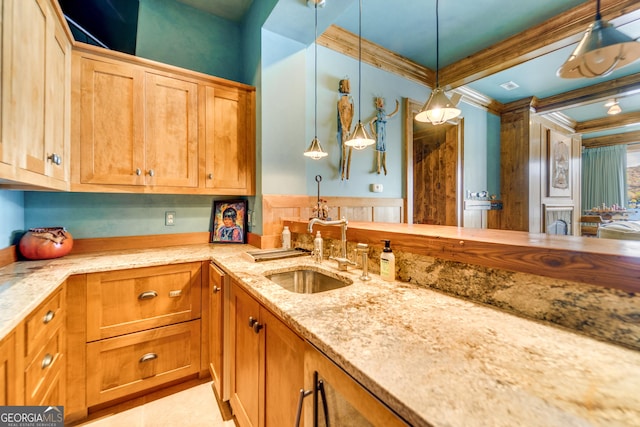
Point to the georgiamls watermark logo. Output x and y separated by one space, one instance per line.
31 416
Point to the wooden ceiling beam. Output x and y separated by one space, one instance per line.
617 88
345 42
558 32
604 141
607 123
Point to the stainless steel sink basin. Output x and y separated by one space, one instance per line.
307 281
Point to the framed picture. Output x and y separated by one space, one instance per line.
559 164
229 221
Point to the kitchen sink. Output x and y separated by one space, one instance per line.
306 281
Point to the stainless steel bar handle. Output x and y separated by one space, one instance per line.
147 357
147 295
48 317
47 360
303 394
325 406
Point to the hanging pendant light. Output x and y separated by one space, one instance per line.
439 108
315 150
359 139
602 50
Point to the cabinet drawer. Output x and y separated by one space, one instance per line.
120 366
44 321
125 301
44 370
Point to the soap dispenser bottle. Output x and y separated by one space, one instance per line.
387 263
286 238
318 244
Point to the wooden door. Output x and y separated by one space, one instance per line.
435 174
229 142
216 343
111 123
171 131
245 355
283 372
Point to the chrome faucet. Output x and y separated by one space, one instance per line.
342 260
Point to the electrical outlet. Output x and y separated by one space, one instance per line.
376 188
169 218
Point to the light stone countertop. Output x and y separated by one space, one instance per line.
435 359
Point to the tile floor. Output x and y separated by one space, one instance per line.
192 405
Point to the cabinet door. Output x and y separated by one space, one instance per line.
171 131
229 140
283 371
216 328
36 93
111 123
8 370
245 354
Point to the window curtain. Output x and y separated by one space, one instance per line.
604 176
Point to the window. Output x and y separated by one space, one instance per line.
633 175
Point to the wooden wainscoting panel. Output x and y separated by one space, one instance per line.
278 208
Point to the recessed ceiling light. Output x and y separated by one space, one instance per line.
510 85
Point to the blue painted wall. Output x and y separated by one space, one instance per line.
177 34
12 213
282 71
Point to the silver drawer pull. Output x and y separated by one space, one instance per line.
147 295
48 317
147 357
47 360
216 289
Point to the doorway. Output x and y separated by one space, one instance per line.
434 170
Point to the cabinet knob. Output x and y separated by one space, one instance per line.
55 159
151 172
147 295
252 321
147 357
138 172
48 317
47 360
257 326
216 289
210 176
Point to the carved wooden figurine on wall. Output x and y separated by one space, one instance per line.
379 133
345 117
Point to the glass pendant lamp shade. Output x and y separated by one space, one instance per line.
315 150
438 109
359 139
602 50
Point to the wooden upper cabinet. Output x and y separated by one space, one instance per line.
142 126
171 125
229 141
111 123
36 94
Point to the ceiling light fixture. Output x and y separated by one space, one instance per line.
614 107
439 108
315 150
602 50
359 139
